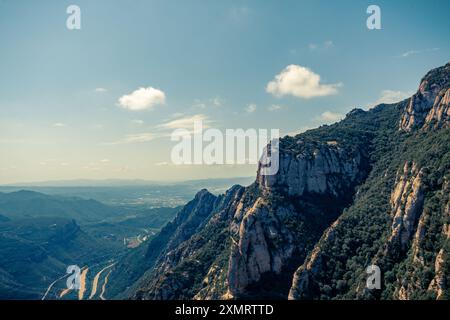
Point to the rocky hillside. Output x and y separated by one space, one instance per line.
371 189
399 219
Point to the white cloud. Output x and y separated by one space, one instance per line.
300 82
139 137
414 52
105 161
329 116
160 164
134 138
59 125
409 53
142 99
185 122
274 107
390 96
250 108
100 90
184 126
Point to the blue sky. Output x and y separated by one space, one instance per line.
60 90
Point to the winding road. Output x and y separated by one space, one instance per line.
95 282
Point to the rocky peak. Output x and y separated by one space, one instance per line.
428 107
325 167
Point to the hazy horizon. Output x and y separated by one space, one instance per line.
114 182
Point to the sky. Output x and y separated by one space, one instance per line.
101 102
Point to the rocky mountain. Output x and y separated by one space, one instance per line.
405 230
372 189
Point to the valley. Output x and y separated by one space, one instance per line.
41 234
93 283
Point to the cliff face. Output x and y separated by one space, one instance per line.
356 193
326 168
267 233
428 108
409 284
406 203
412 252
439 115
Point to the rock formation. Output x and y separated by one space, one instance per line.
356 193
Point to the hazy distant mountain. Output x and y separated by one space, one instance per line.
131 193
127 183
29 204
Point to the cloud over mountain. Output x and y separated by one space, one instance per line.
300 82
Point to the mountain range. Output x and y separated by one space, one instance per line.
370 190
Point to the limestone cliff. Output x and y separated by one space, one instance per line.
262 240
429 106
406 203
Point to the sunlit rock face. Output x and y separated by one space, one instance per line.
429 106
